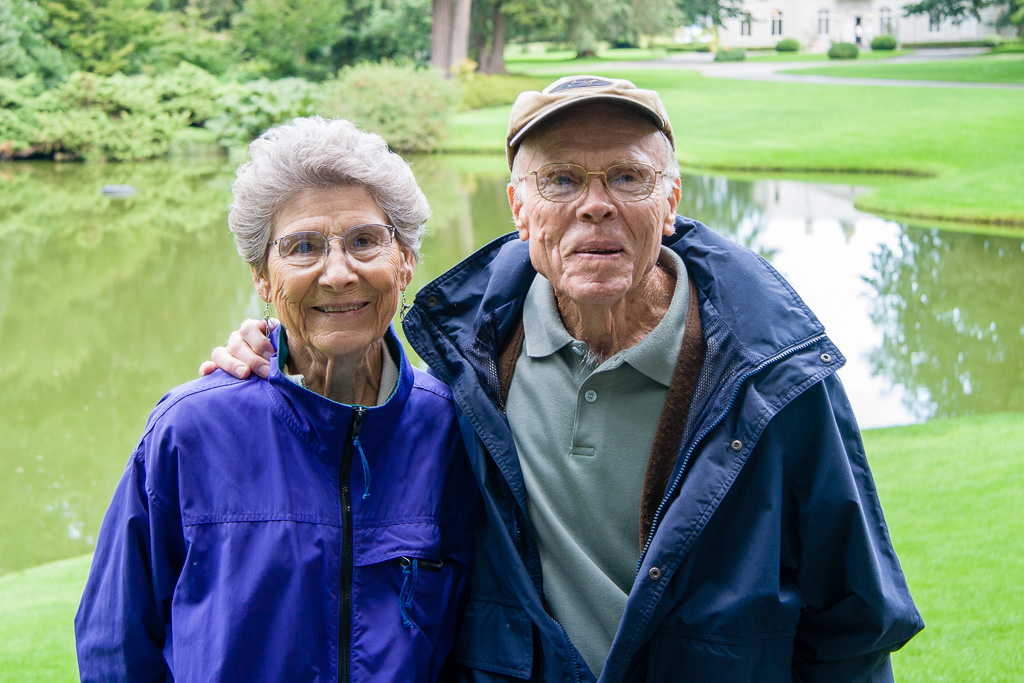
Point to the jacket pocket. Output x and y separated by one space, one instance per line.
678 655
495 636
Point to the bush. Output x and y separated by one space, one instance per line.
480 91
1010 46
843 51
409 107
731 54
787 45
246 110
883 42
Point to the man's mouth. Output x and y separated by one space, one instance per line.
599 250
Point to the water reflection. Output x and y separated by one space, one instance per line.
951 318
107 303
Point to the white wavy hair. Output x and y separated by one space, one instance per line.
317 153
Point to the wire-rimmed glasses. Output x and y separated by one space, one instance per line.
308 248
626 182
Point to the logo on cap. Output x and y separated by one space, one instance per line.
580 83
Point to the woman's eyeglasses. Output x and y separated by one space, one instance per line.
362 242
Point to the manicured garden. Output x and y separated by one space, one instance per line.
950 489
995 68
929 154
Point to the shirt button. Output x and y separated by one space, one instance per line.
590 396
654 573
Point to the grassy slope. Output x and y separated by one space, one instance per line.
951 494
969 141
1007 68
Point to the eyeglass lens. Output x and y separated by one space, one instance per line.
625 182
361 242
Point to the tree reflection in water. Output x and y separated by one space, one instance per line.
949 308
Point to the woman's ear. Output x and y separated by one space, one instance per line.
261 283
406 268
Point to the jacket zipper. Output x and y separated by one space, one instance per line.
345 492
693 446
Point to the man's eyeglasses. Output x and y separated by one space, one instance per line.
566 182
362 242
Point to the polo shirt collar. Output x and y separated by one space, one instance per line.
655 355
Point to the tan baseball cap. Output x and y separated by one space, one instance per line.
532 107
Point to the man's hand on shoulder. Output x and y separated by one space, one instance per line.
246 351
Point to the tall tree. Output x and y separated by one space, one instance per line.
449 34
24 49
103 36
1011 12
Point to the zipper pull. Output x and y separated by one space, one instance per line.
357 425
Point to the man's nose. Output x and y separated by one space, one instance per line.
595 204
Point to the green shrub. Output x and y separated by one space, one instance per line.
480 91
843 51
883 42
246 110
410 107
1010 46
732 54
993 40
787 45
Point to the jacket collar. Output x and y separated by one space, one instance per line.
322 423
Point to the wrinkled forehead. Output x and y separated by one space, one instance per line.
592 128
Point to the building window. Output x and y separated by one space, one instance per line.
885 20
745 27
776 23
934 24
823 22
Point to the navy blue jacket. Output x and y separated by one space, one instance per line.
246 540
770 559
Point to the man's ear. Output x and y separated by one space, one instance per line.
673 201
516 205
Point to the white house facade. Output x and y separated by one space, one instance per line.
818 24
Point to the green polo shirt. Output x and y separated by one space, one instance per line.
583 434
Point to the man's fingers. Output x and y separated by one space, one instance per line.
248 353
254 335
230 363
207 367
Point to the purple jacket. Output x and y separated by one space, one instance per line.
261 532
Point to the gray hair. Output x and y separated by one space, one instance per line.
316 153
663 152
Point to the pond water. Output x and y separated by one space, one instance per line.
105 303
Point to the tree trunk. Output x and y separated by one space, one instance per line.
459 34
441 36
496 60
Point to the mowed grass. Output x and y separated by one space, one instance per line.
964 149
952 495
1008 68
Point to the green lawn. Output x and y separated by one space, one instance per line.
964 150
820 56
1008 68
951 490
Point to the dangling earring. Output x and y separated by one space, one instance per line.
266 320
405 308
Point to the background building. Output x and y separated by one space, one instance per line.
818 25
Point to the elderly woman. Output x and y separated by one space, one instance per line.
314 525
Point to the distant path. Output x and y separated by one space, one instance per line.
769 71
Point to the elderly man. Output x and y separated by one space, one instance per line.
675 486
